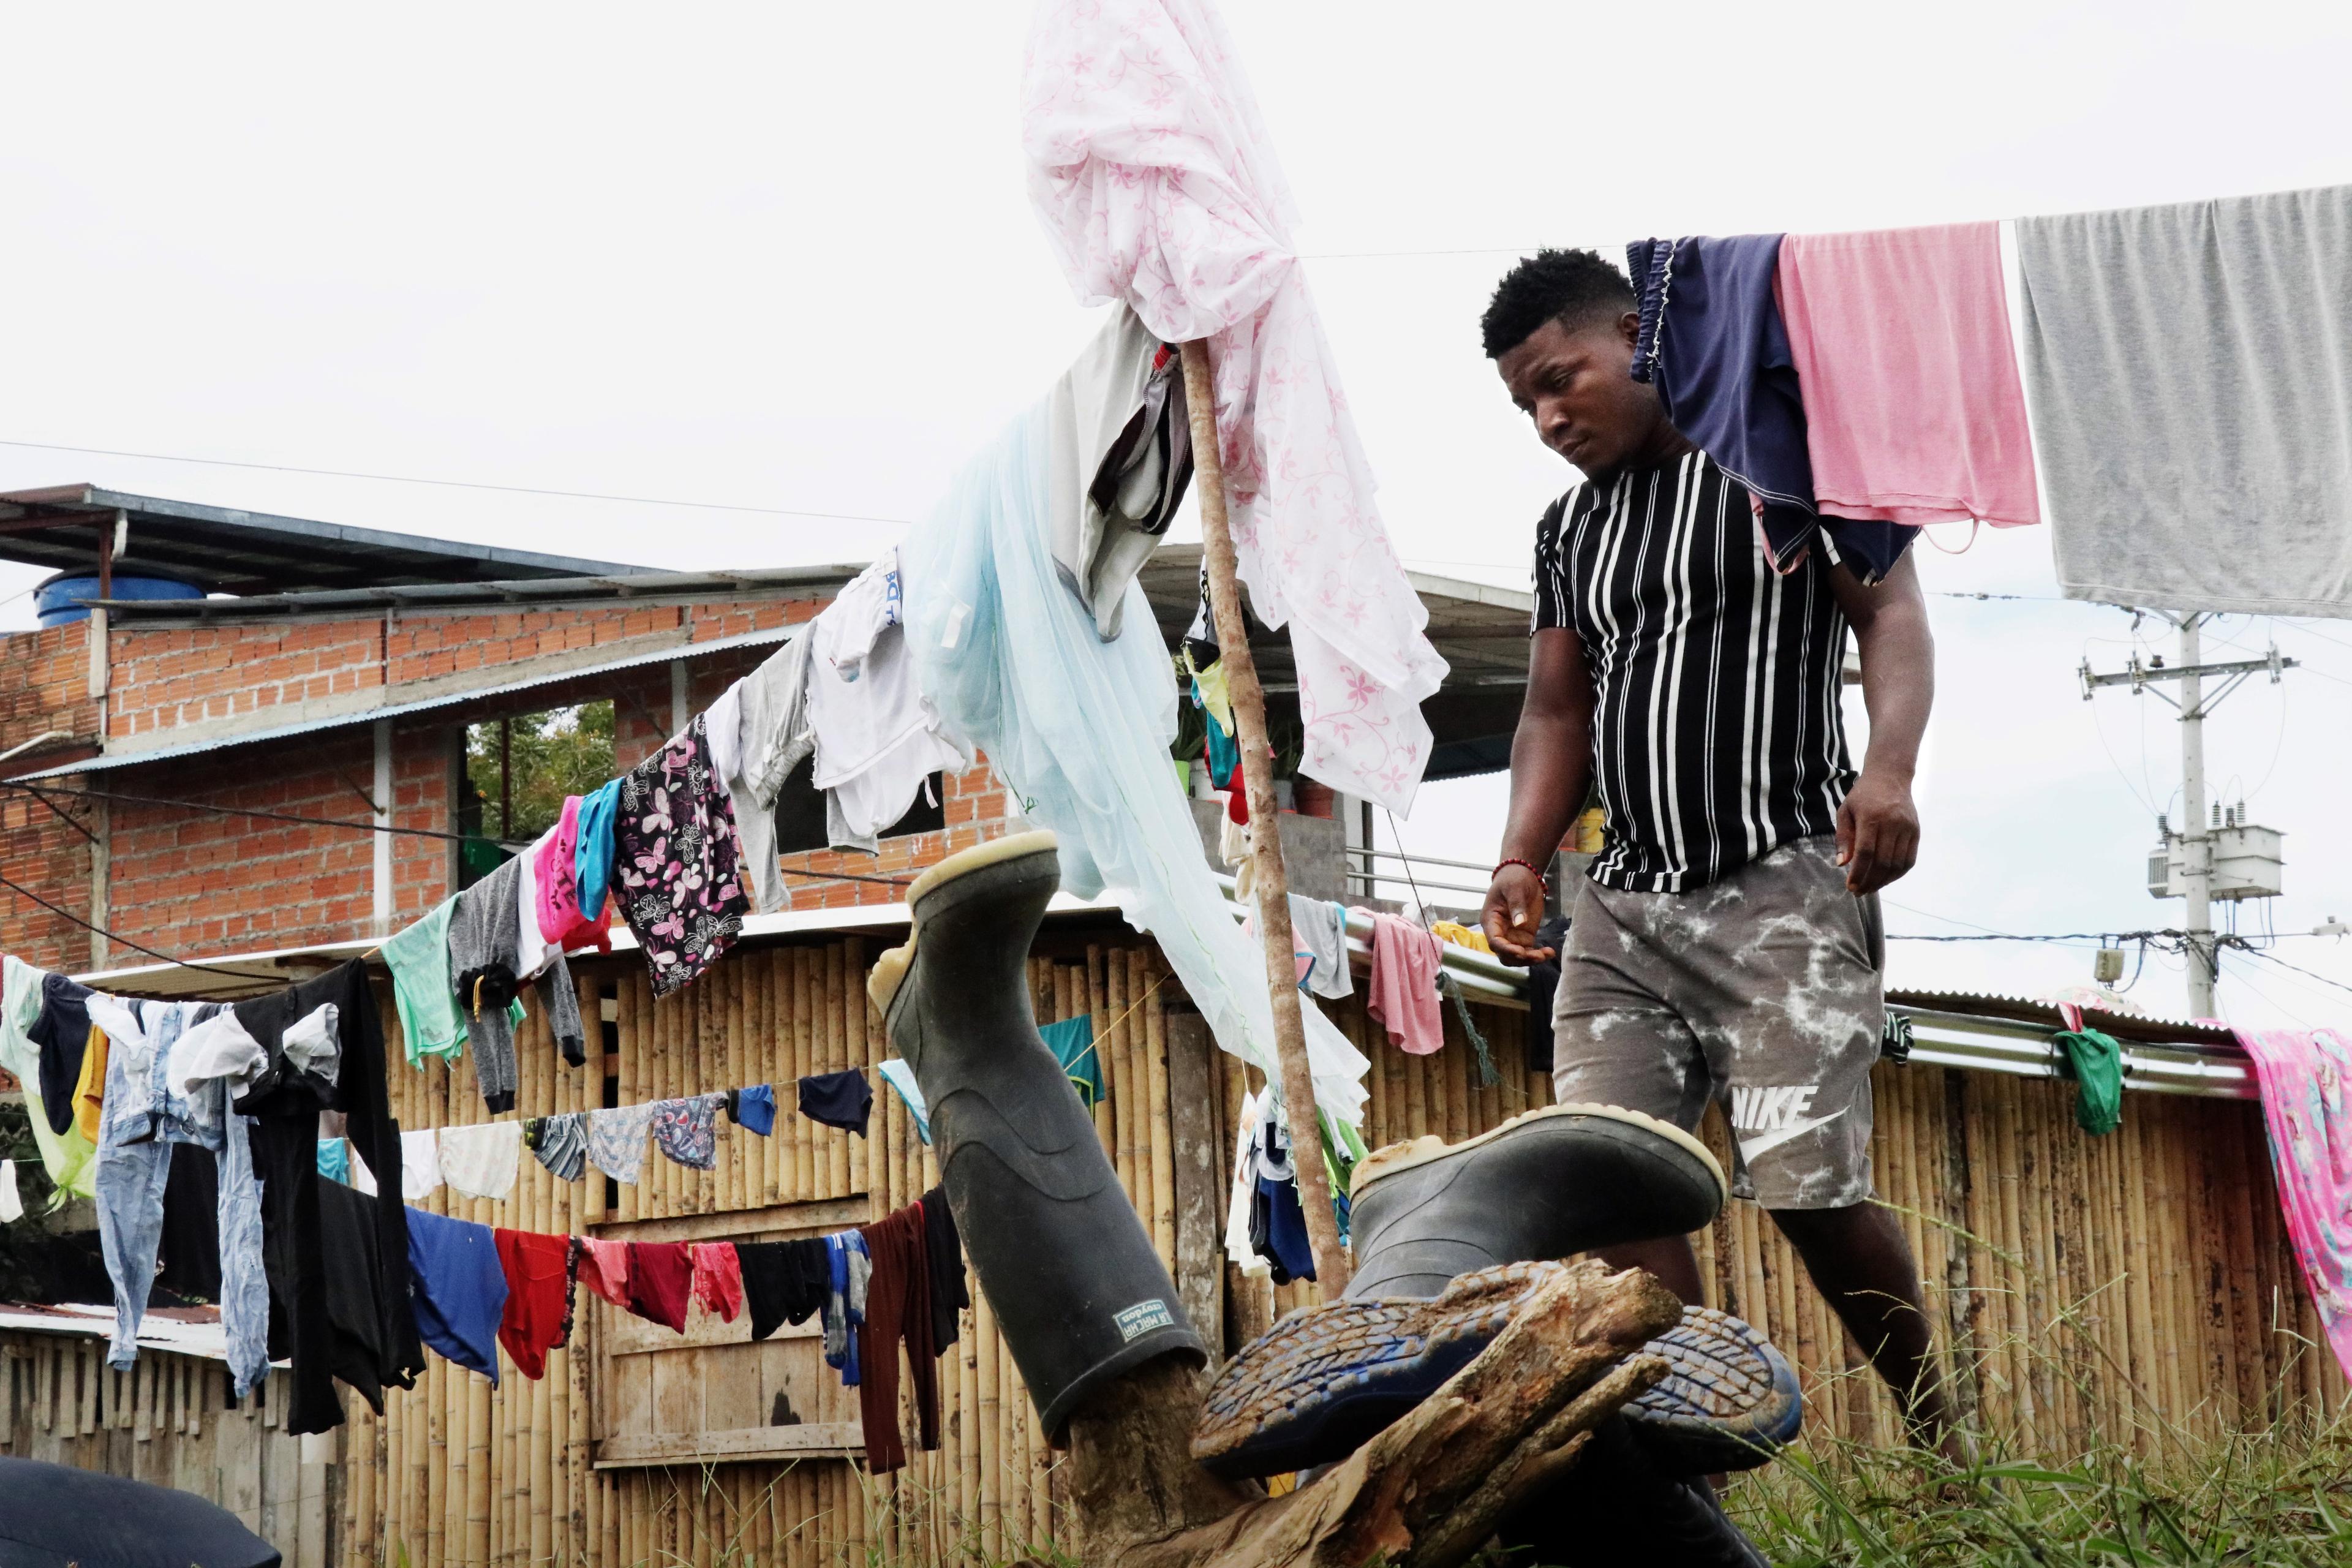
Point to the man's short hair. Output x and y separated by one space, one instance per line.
1574 287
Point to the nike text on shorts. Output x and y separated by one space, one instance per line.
1761 990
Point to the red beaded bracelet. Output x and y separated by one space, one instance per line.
1515 860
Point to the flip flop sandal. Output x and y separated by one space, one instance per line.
1322 1383
1729 1401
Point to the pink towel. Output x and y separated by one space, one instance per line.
2306 1083
1405 985
1914 411
561 918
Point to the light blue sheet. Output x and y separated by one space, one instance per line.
1079 729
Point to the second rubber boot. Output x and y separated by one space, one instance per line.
1549 1183
1077 1290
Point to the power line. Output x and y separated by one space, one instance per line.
124 941
257 812
459 484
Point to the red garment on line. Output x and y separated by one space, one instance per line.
537 1315
718 1278
604 1268
898 1307
661 1279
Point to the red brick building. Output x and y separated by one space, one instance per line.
201 776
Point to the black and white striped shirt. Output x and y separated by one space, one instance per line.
1717 733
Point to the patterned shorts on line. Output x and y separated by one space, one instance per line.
1761 991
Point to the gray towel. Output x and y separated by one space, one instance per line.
2189 369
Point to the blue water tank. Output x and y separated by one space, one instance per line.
56 600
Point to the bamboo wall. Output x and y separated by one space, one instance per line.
2132 1285
167 1422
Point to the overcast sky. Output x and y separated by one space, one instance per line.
782 258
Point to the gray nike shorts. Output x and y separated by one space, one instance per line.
1762 990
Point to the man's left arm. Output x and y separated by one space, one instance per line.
1878 826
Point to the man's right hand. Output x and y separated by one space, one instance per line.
1514 908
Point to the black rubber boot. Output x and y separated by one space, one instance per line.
1545 1184
1614 1506
1078 1291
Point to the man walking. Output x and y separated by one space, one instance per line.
1726 945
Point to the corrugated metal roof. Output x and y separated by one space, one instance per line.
114 760
225 550
502 594
183 1331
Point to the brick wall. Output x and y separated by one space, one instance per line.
195 882
44 688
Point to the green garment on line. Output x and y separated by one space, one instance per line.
423 990
70 1159
2098 1077
1072 1042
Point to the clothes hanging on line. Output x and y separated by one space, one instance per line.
878 737
486 951
1072 1041
661 1282
1080 731
773 742
1459 935
12 1205
69 1159
1122 455
594 849
602 1267
1180 153
537 1316
2302 1075
61 1030
460 1291
1318 928
901 1078
783 1281
560 1142
1403 992
1914 411
2097 1060
89 1085
844 1305
284 1102
676 860
481 1161
564 923
753 1109
616 1141
842 1099
2186 372
718 1279
688 1129
1712 343
188 1251
897 1308
943 1250
335 1159
423 992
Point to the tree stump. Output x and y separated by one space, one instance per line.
1426 1493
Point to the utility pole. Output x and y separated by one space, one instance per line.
2195 864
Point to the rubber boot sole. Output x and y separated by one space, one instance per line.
1325 1381
1729 1401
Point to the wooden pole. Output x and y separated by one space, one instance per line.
1273 886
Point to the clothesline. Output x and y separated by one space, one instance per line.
481 1159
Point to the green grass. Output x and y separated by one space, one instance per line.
2249 1500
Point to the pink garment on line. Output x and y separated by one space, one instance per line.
561 919
2307 1084
604 1268
1151 170
718 1278
1405 985
1914 409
